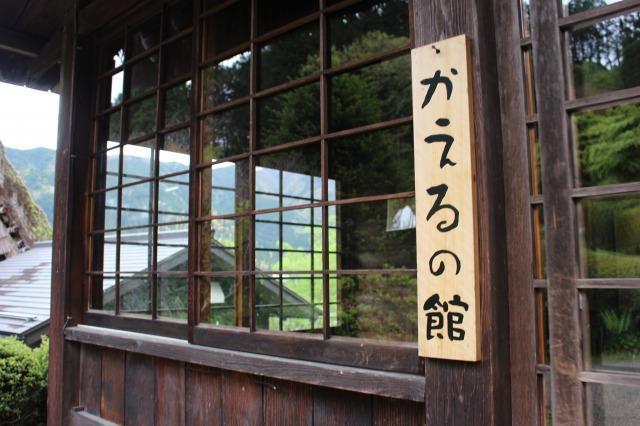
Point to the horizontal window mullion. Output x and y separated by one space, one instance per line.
608 283
606 190
605 100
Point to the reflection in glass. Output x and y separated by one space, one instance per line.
176 59
177 104
105 210
293 175
609 404
226 133
376 235
377 307
112 55
367 29
104 252
135 294
117 86
138 161
525 17
178 17
289 303
542 327
145 36
174 155
290 56
372 163
141 118
606 55
109 128
173 199
144 75
288 246
275 13
225 300
225 188
172 297
101 288
227 29
535 163
614 329
569 7
107 167
372 94
290 116
136 250
172 248
611 230
227 80
137 205
608 144
224 245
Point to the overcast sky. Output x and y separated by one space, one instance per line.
28 118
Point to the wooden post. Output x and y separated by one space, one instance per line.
459 392
68 294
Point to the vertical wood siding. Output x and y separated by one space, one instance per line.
128 388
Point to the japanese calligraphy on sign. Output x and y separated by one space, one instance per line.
446 219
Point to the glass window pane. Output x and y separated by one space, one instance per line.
105 209
275 13
377 235
225 300
145 36
172 249
525 17
174 155
613 404
290 174
178 17
177 59
138 161
172 297
529 82
111 90
104 252
225 188
377 307
136 250
107 168
289 116
608 144
372 94
226 133
367 29
606 55
287 303
102 292
141 118
144 75
227 29
542 327
177 104
611 230
535 163
135 294
137 205
282 245
109 128
614 329
173 199
569 7
112 55
291 56
372 163
539 245
224 245
227 80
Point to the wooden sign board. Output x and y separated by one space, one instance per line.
446 213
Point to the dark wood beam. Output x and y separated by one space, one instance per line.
21 43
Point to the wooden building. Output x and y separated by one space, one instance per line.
277 135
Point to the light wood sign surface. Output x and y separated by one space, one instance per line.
447 250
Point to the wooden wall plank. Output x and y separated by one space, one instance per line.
113 393
90 378
397 412
139 404
476 393
241 399
287 403
517 203
333 407
204 396
170 393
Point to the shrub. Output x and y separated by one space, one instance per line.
23 382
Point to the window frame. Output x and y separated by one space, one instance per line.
358 352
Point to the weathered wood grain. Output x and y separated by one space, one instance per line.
139 401
287 403
333 407
113 391
90 378
241 399
170 392
203 396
